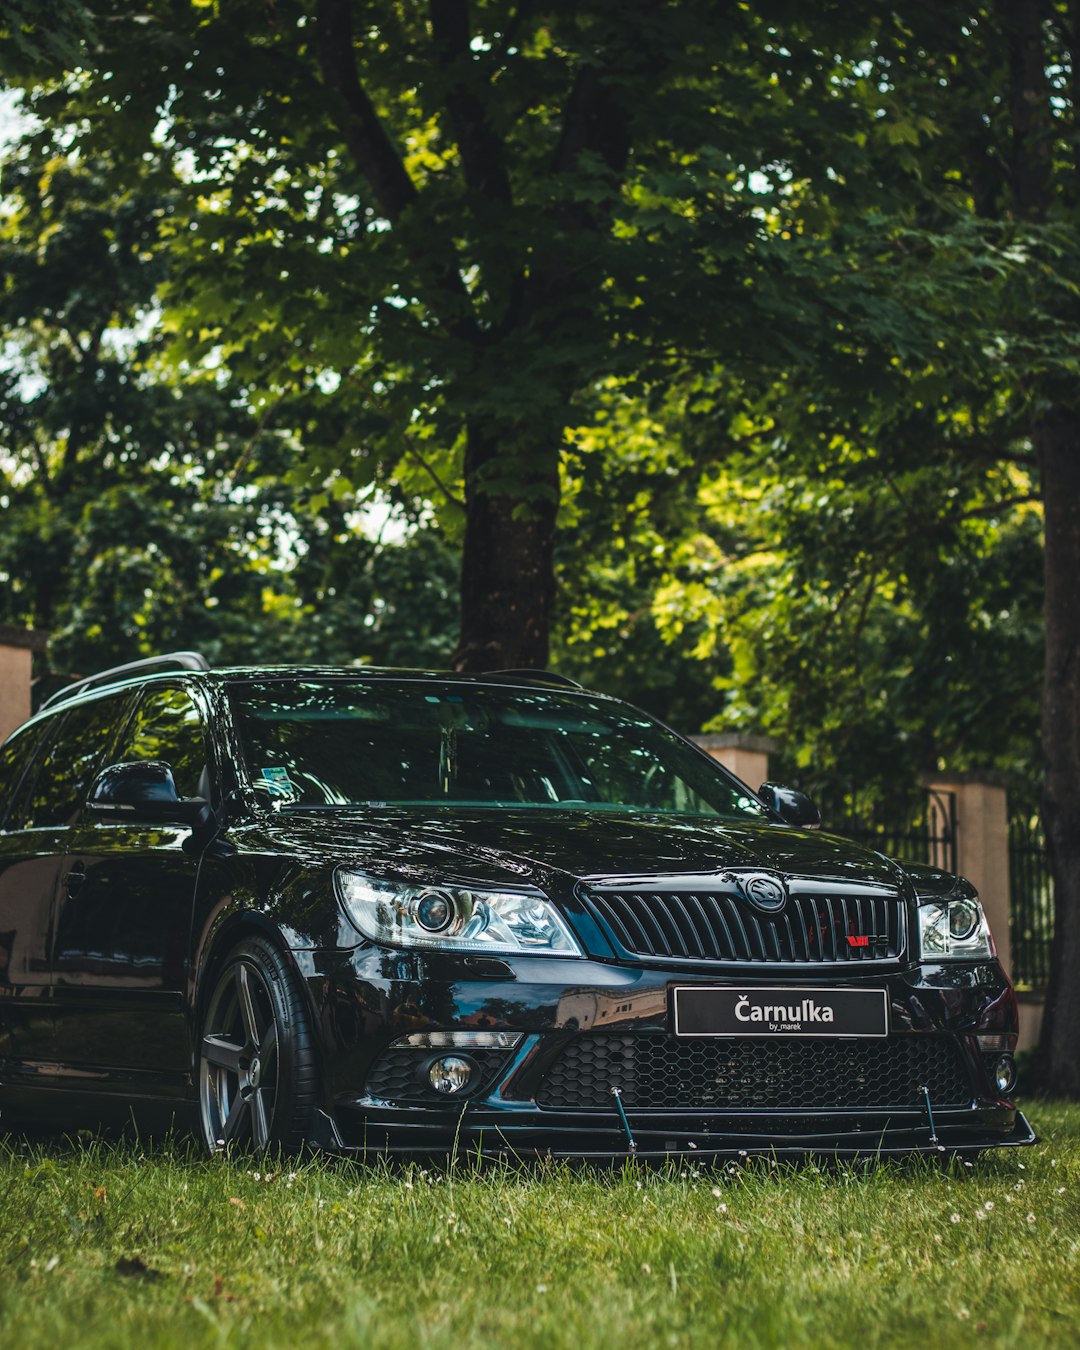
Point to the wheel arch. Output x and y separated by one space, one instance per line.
225 936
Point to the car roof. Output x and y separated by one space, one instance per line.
164 669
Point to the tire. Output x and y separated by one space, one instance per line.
258 1076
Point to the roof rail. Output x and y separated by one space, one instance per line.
170 661
544 676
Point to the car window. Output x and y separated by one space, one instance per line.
55 791
15 757
168 725
338 743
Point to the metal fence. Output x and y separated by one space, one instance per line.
923 830
1031 892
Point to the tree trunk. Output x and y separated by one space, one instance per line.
508 562
1055 434
1057 443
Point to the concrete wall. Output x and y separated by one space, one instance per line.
746 756
982 848
17 647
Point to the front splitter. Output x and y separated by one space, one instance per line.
642 1143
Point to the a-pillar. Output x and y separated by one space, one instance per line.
746 756
982 847
17 648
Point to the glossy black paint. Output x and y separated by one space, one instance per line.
792 806
112 930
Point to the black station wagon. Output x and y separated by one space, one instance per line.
397 911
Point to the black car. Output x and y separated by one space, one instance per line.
396 911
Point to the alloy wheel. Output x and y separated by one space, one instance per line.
239 1060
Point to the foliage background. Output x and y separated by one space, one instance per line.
797 493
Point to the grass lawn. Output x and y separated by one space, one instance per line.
112 1245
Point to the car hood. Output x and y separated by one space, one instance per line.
499 847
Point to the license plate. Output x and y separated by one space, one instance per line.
702 1010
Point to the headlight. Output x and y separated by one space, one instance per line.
954 930
453 919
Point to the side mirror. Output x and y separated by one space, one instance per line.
144 791
792 806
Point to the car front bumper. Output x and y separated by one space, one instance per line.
366 1001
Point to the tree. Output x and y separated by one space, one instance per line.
1040 43
427 232
137 506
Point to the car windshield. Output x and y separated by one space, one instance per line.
419 743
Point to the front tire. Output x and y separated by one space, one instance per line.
258 1077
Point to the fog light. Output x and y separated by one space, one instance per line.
450 1074
1004 1074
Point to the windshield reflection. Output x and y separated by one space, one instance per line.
324 744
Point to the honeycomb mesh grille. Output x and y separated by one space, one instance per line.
661 1072
716 926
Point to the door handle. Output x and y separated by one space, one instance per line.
74 879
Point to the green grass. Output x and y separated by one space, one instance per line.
104 1245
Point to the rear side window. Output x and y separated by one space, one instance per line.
77 751
167 725
15 757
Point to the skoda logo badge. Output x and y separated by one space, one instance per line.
766 893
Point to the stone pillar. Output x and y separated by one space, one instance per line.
1032 1006
982 847
17 648
746 756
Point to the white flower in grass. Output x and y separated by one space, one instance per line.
954 1218
963 1314
1031 1218
541 1288
717 1192
1061 1190
989 1205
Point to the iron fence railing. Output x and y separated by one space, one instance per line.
924 830
1031 909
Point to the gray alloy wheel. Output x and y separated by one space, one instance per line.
258 1084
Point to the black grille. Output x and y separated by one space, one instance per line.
400 1073
660 1072
717 926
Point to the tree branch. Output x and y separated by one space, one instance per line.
371 147
411 449
385 171
594 123
482 152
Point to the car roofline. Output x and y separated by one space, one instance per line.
152 669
